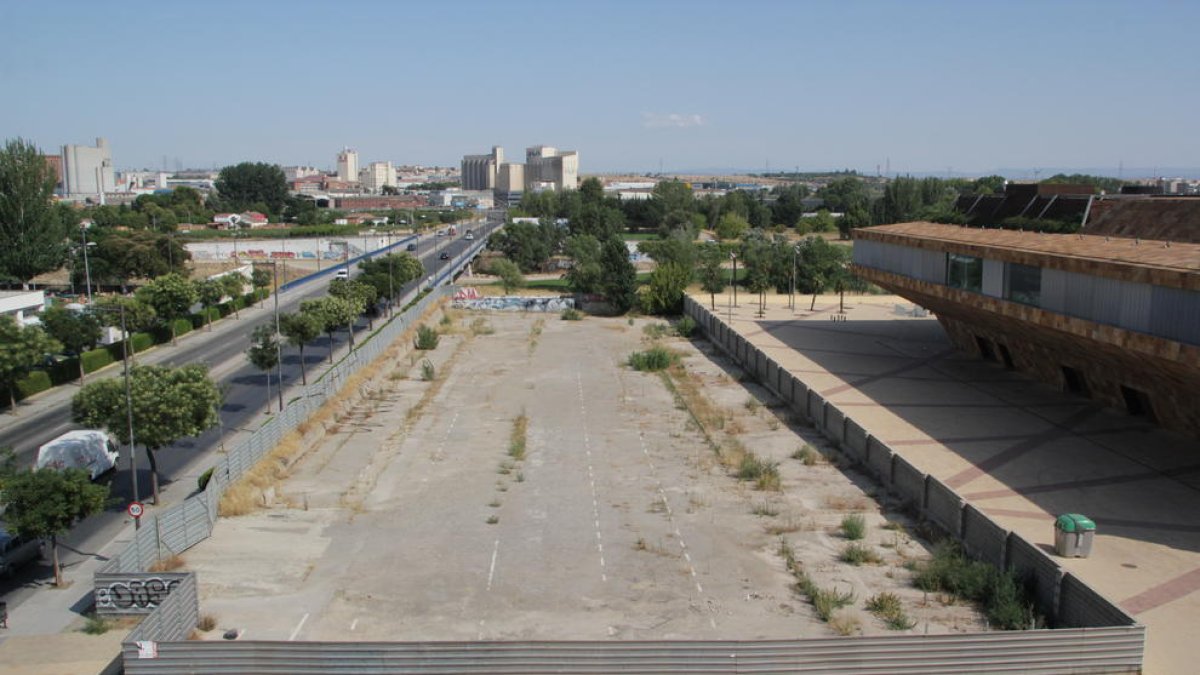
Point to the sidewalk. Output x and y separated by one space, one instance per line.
1015 448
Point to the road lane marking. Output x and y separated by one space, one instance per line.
587 450
298 627
353 624
492 569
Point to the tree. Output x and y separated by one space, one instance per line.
168 404
712 276
362 295
527 244
821 265
234 285
171 296
731 226
678 247
139 316
45 504
844 194
21 348
664 294
509 274
244 185
300 329
674 195
618 277
585 274
331 313
34 232
264 354
77 331
209 292
260 279
120 256
401 268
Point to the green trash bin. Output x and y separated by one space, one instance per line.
1073 534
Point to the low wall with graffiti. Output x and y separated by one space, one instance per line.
134 592
514 303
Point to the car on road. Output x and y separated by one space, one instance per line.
16 552
444 256
342 274
410 247
469 236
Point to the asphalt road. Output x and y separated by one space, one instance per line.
244 406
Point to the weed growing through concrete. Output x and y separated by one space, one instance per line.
96 625
824 601
857 554
572 314
495 503
480 326
516 438
520 477
505 468
854 527
653 359
764 473
845 623
428 372
655 331
1006 601
764 509
807 455
752 405
427 338
492 519
167 564
207 622
887 607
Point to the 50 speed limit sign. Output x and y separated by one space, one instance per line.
136 509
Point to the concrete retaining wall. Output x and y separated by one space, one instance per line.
908 482
982 538
1034 566
856 441
1081 607
943 506
835 424
879 461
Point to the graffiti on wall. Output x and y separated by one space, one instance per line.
133 595
512 303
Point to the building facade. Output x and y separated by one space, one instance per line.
1113 319
347 166
87 171
547 168
479 171
376 176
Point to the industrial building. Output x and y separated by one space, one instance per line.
87 171
1111 318
545 168
347 166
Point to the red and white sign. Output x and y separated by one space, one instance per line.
136 509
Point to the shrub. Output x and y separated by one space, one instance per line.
806 454
182 326
857 554
64 371
887 606
140 342
427 338
685 326
428 372
655 358
95 359
224 309
571 314
202 480
854 527
96 625
1004 598
35 382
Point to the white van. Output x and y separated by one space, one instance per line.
87 449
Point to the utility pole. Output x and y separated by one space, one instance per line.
137 522
278 346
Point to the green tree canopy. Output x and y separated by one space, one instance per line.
264 354
243 186
618 281
664 293
34 233
234 285
731 226
332 313
300 328
712 275
76 331
168 404
586 273
509 274
21 348
209 292
527 244
123 255
45 504
171 296
139 316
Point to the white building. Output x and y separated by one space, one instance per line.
22 305
548 168
294 173
479 171
87 171
347 165
376 176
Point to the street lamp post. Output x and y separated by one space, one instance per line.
733 280
391 289
87 270
732 274
792 293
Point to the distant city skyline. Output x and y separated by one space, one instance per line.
937 88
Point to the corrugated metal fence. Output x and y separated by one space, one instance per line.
1078 650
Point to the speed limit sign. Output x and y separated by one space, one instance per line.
135 509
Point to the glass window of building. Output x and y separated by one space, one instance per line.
965 272
1023 284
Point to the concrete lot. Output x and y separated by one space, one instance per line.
1017 449
411 522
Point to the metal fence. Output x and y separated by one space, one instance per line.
1038 651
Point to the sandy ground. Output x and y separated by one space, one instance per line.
412 521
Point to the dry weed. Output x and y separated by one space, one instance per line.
847 503
168 564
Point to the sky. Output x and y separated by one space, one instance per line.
913 86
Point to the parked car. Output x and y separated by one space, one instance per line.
444 256
87 449
16 552
469 236
342 274
410 247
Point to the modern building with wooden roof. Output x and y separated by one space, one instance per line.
1115 319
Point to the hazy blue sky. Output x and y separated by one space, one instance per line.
967 85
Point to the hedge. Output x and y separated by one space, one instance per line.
35 382
224 309
141 342
95 360
63 371
182 326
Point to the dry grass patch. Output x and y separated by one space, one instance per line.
516 438
846 503
248 494
207 622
